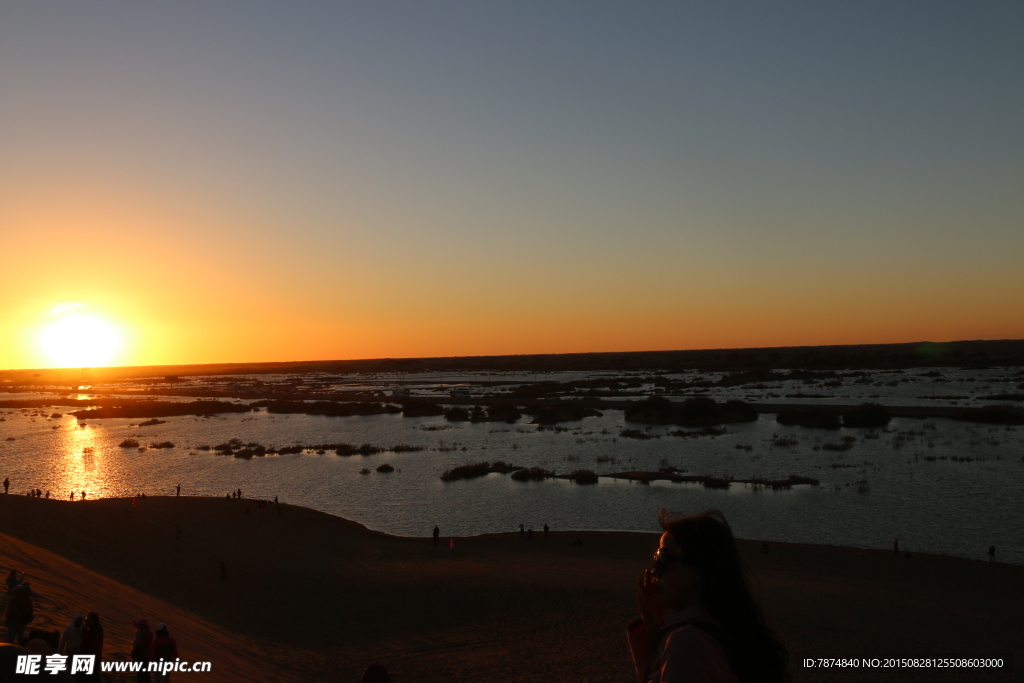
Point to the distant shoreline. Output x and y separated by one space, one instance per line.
967 353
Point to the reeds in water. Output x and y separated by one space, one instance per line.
532 474
584 477
472 471
637 434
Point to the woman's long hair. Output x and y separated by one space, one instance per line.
707 544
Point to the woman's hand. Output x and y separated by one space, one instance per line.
651 610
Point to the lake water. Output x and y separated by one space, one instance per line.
938 485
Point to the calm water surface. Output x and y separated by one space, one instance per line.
939 486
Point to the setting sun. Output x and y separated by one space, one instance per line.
80 340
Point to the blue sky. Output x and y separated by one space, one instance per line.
578 172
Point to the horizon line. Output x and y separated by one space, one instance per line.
513 355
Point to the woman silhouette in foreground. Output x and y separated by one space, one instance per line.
698 620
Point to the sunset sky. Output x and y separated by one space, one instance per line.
207 181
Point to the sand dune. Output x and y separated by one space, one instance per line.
61 588
314 597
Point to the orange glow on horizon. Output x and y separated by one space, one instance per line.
197 283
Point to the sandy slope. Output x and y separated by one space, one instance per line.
315 597
61 588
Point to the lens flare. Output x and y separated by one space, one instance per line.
80 340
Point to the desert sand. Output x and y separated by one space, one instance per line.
312 597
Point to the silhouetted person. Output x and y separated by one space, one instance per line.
991 553
141 646
437 534
223 571
92 644
7 484
19 613
522 530
546 530
163 647
178 493
275 501
47 494
13 580
83 495
239 493
72 636
72 496
698 619
896 546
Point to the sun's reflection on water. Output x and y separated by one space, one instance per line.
83 465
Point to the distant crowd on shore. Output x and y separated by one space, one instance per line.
84 635
39 493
